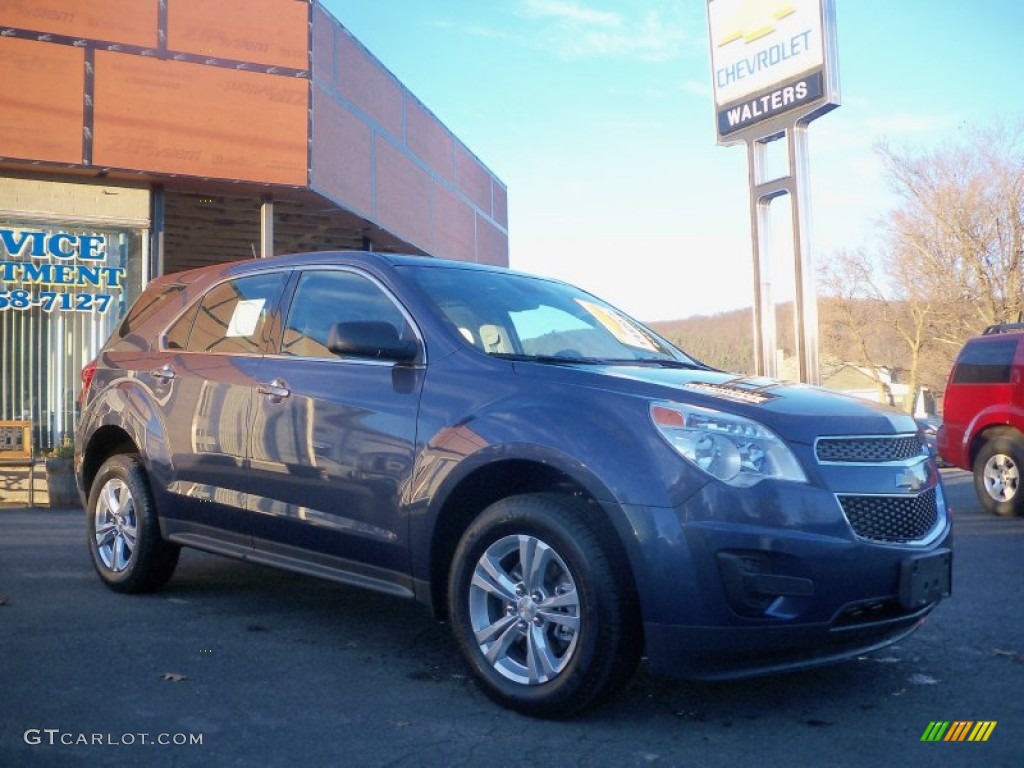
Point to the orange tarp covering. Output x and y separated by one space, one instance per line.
41 90
133 22
179 117
263 31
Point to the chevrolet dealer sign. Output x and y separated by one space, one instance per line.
772 62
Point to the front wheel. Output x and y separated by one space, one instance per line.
124 535
997 476
541 609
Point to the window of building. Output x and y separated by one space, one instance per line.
65 286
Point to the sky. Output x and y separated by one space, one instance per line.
598 116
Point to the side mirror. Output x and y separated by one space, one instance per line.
372 340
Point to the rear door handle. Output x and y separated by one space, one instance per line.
164 374
275 391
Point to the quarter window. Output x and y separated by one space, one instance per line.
147 306
988 362
177 335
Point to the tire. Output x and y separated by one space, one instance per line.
998 471
123 532
563 636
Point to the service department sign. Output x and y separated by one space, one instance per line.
772 62
56 272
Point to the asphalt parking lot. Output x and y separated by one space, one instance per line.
237 665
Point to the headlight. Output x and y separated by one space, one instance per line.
736 450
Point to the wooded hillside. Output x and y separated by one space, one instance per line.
725 340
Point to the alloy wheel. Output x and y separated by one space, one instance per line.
1002 477
524 609
116 525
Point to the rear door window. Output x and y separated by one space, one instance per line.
231 318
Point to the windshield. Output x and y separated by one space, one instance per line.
523 317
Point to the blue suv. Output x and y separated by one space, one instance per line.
569 490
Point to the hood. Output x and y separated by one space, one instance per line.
796 412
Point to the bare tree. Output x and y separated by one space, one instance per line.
951 261
957 237
855 307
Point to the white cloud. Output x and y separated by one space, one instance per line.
570 12
660 32
478 30
904 124
854 131
696 88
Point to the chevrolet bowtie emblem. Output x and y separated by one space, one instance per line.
754 20
913 478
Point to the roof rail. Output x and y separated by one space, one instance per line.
1003 328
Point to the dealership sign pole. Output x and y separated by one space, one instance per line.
774 70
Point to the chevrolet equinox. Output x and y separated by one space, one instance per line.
566 488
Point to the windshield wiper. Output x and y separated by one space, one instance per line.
662 362
548 359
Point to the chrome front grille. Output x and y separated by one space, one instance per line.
891 519
868 450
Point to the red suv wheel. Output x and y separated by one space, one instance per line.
997 475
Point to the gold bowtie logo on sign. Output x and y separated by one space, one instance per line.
754 20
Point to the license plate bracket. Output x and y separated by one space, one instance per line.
926 579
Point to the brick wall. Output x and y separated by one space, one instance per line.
377 150
63 199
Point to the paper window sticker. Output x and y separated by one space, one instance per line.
245 318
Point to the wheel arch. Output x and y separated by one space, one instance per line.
108 440
122 419
985 434
511 477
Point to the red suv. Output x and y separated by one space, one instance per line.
983 416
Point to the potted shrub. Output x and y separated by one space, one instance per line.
60 476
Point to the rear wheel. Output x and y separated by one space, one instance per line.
124 535
540 607
998 470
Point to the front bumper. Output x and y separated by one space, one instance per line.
774 578
720 653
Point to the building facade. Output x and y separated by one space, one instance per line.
142 137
